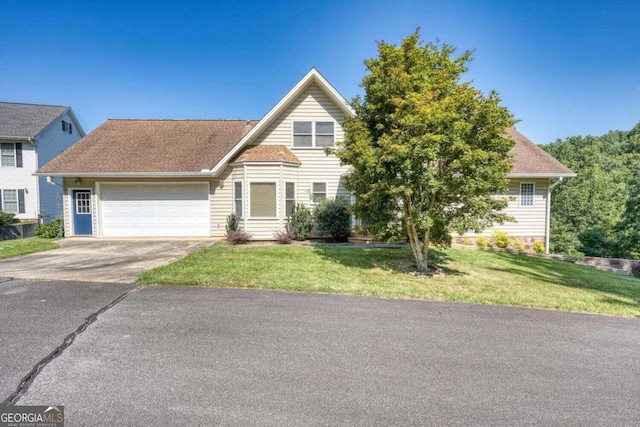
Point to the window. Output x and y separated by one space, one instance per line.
527 190
10 201
318 191
289 197
313 134
7 154
237 198
263 199
66 127
83 202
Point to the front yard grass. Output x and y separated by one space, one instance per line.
12 248
471 276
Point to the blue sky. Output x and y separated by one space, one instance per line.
562 67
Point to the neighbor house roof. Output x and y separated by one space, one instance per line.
267 153
531 160
150 146
27 120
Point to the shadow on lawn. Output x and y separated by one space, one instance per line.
397 260
563 273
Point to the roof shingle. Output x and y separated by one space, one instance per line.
531 159
139 146
26 120
267 153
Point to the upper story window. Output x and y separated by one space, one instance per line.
311 134
527 191
67 127
11 154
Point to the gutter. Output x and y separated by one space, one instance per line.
127 174
18 138
548 216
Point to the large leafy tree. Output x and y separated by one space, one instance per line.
427 150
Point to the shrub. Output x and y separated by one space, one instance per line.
517 244
500 238
538 247
333 219
50 230
238 237
481 242
233 221
285 236
6 218
300 221
467 241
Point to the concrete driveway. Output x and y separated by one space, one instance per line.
99 260
199 356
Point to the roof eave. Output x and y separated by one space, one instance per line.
201 174
542 175
30 139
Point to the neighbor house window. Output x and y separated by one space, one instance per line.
263 199
10 201
527 190
66 127
318 191
237 198
11 154
289 197
313 134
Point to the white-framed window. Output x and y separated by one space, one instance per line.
237 199
10 201
527 192
83 202
314 134
318 191
7 154
263 200
289 197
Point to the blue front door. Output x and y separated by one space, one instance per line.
82 217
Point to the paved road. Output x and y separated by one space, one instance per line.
36 316
99 260
196 356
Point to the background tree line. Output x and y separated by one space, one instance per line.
598 213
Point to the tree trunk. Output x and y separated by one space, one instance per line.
418 248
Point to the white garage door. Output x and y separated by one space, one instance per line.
154 210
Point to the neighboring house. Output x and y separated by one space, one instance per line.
139 178
30 136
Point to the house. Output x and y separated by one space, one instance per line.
157 178
30 136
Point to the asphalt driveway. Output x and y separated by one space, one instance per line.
98 260
198 356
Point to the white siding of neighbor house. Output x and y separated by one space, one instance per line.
14 178
51 142
530 220
312 104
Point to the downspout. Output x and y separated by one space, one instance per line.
548 216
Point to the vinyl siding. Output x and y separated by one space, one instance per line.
312 104
15 178
50 143
530 220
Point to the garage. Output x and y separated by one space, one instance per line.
154 210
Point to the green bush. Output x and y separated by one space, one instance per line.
500 238
538 247
6 218
233 221
300 221
482 242
333 219
50 230
517 244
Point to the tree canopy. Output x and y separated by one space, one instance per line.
598 213
428 151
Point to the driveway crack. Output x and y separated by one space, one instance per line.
26 382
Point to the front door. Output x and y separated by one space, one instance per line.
82 217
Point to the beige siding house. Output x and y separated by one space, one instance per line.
163 178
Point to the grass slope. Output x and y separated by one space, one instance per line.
11 248
472 276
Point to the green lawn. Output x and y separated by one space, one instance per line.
471 276
11 248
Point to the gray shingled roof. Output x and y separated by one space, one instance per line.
531 159
26 120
